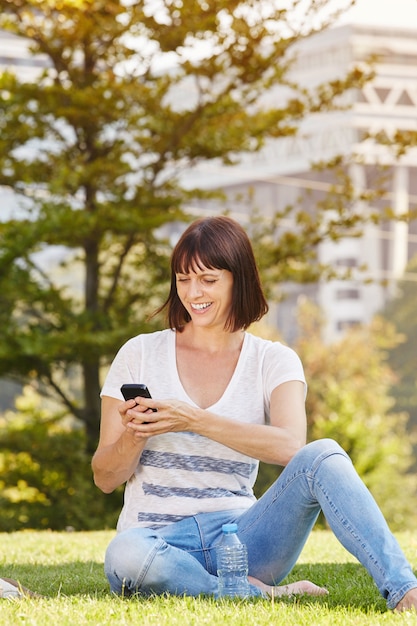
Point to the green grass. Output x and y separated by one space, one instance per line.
67 568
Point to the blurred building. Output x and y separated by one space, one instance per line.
15 56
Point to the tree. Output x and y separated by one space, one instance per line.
400 312
45 472
133 94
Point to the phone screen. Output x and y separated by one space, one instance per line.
131 390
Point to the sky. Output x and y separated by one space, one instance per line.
397 13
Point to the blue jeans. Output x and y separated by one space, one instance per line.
181 558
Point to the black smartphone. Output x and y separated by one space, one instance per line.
131 390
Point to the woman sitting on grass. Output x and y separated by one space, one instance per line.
225 400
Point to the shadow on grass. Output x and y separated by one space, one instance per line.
69 579
349 584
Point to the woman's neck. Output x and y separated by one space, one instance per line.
210 340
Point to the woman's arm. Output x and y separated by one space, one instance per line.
275 443
119 447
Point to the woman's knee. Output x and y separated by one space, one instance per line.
321 449
126 550
325 445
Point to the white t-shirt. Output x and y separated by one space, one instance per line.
182 474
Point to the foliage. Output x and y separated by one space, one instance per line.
401 311
130 96
67 568
350 400
45 473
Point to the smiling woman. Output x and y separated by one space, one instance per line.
225 400
206 296
213 245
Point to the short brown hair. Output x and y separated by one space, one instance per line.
218 243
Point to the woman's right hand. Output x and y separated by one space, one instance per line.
132 412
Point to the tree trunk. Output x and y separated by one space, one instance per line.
91 413
91 363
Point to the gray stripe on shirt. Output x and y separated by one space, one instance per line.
178 492
168 460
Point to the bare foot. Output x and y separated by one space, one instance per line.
409 601
12 588
298 588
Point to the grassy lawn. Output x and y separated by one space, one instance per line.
67 568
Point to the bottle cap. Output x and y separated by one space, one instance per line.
229 528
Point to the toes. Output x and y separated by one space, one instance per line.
300 587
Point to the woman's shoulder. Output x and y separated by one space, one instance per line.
268 346
278 362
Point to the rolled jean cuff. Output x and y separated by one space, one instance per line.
396 597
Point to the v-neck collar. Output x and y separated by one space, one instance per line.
230 385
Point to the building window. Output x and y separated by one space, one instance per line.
349 261
342 325
347 294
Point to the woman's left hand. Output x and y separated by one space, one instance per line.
170 416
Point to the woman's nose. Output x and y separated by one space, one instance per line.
195 289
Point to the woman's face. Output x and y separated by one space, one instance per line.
206 293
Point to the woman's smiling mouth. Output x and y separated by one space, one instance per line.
200 307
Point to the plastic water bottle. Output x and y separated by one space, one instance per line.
232 564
